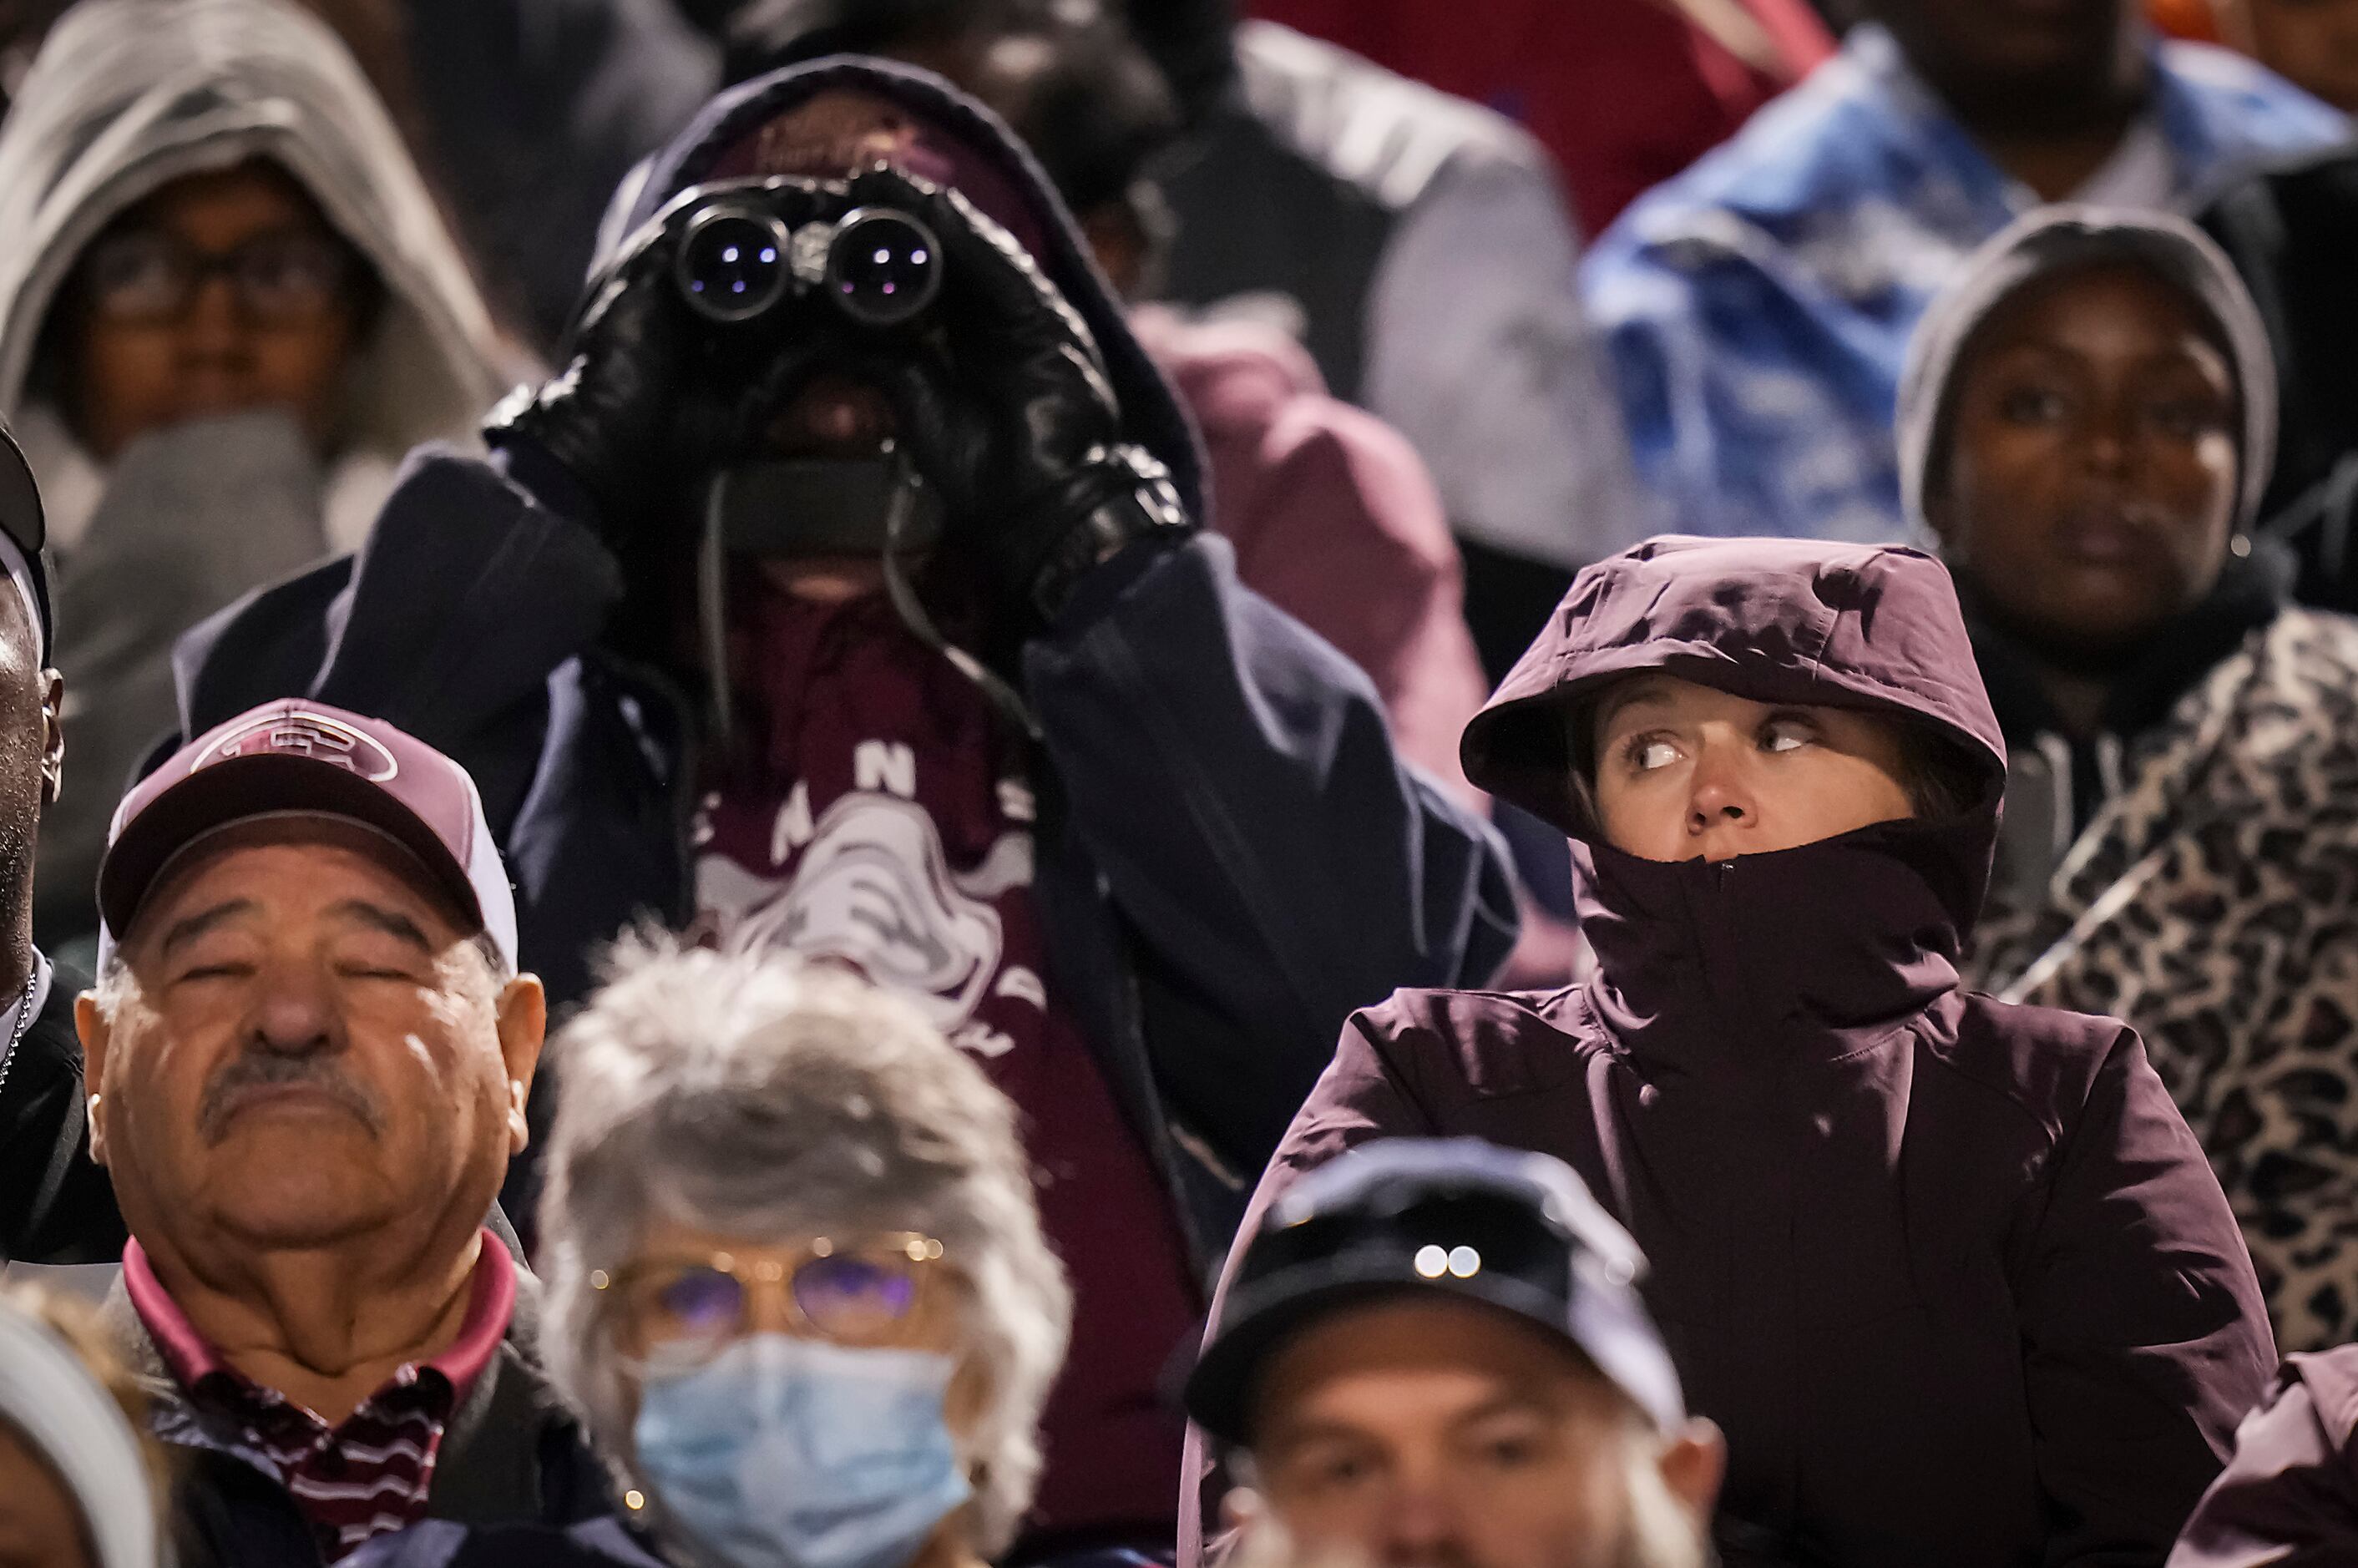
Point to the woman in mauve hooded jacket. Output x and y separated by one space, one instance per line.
1952 1273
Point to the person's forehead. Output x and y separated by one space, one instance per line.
295 868
668 1234
2089 304
832 132
254 194
1643 696
1459 1355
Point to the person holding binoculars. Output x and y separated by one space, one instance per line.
845 589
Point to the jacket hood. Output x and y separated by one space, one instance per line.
50 1401
1151 413
2058 239
1781 621
127 96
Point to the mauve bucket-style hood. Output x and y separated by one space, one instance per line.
2059 239
1852 931
1151 413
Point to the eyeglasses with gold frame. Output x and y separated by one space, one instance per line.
856 1292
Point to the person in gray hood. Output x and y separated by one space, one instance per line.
2087 424
228 307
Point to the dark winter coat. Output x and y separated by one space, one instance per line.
1951 1274
1231 857
55 1205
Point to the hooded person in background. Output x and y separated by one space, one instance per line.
1010 739
2086 424
1419 245
1951 1273
228 309
1333 518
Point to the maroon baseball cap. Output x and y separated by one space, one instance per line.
299 756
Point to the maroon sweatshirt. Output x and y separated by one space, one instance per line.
1951 1274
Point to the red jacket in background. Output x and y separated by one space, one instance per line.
1624 92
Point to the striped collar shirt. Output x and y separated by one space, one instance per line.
369 1474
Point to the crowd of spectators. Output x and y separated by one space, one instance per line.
1178 783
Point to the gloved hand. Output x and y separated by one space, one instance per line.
651 397
1019 430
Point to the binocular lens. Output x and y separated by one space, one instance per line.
732 264
883 267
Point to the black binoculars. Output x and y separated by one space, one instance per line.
881 267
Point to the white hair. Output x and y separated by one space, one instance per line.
747 1091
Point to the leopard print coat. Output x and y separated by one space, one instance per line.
2213 905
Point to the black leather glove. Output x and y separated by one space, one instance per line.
1016 425
651 397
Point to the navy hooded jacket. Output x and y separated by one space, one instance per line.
1230 858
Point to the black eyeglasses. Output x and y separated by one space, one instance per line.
284 277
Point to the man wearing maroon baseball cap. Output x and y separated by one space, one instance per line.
306 759
311 1050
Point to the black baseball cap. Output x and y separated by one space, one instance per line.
1514 1230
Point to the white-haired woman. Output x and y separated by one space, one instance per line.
797 1279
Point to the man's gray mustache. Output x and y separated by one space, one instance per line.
258 1070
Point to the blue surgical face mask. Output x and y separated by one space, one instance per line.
785 1453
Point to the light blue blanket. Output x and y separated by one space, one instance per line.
1758 306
